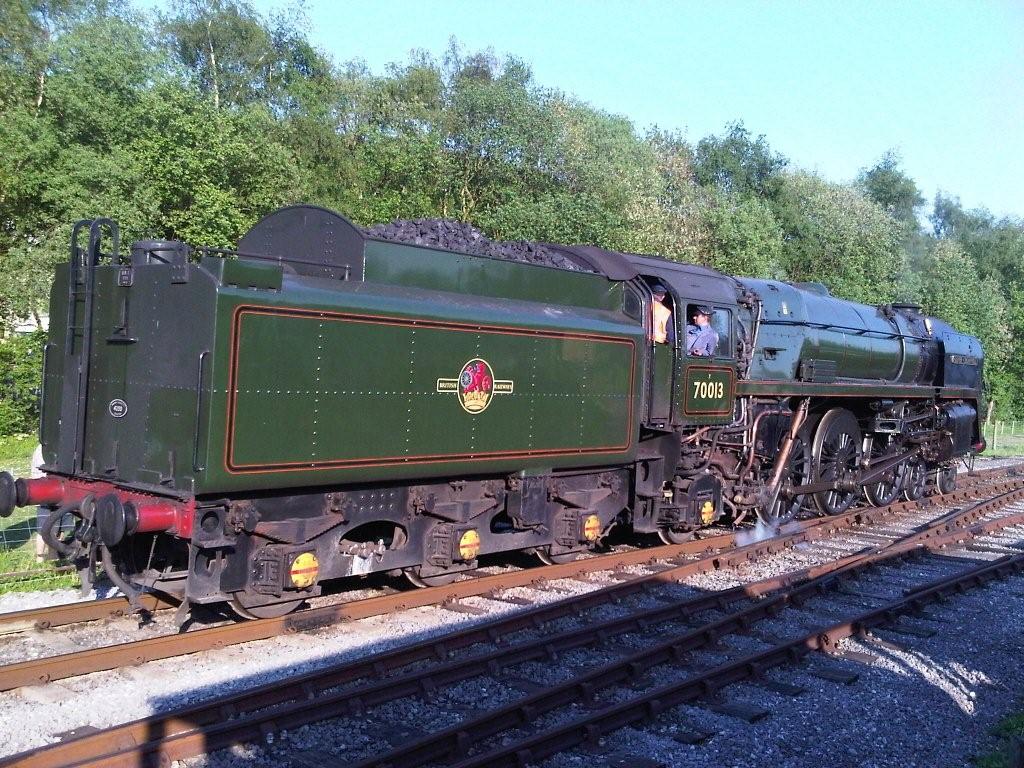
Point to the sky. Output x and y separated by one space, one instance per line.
832 85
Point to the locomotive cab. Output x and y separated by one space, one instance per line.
686 389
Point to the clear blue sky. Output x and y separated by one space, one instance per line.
832 85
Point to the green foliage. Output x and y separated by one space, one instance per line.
891 188
956 292
21 363
1009 728
836 236
210 173
739 164
746 238
192 123
992 255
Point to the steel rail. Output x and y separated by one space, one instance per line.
454 742
67 613
650 705
715 552
185 733
204 727
115 607
74 613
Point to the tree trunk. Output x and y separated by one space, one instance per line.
213 64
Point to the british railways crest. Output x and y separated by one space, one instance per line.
476 386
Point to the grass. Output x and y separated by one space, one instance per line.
17 545
1011 444
1008 729
1007 447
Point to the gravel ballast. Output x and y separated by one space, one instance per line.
159 686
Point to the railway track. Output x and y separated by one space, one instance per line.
52 617
250 715
670 562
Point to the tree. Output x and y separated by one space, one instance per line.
746 238
65 156
955 292
738 164
239 58
211 174
834 235
20 380
894 190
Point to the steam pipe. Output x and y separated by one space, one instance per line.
787 447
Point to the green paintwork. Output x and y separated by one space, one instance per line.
391 263
800 325
846 389
245 273
337 382
152 365
721 369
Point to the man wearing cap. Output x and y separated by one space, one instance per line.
661 316
701 338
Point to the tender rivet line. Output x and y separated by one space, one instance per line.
410 393
316 393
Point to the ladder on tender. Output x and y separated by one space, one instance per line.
78 337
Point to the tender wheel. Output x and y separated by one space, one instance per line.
888 489
668 536
251 606
945 479
797 472
417 579
548 558
836 455
916 482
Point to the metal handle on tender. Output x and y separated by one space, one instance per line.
42 394
96 235
196 464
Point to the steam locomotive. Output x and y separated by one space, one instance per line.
247 426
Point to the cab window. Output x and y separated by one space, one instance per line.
721 321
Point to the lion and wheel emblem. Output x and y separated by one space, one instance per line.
475 386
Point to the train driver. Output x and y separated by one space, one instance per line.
661 320
701 337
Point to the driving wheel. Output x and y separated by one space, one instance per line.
796 472
836 456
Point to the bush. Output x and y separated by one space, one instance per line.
21 363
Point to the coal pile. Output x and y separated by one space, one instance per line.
465 238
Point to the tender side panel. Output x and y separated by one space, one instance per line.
332 396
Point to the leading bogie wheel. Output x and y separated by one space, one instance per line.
886 490
836 456
917 481
945 479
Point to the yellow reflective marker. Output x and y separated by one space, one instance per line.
469 545
304 570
